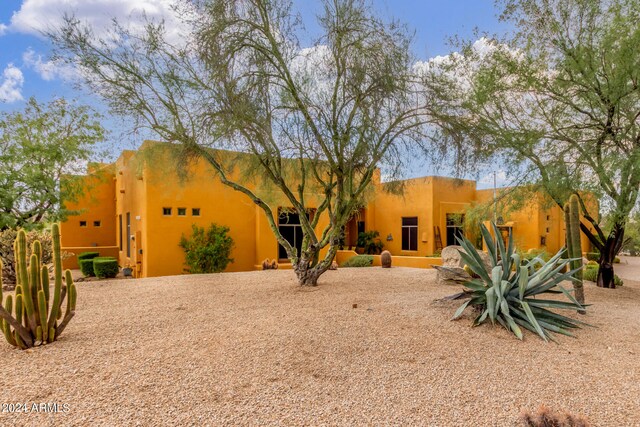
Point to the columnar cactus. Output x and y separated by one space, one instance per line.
36 319
574 245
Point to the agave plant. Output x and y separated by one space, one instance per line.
509 293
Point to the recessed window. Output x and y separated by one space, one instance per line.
195 212
547 229
410 233
96 223
182 211
548 217
166 211
83 223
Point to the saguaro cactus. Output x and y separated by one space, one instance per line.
36 319
574 245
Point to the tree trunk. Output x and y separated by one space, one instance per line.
307 273
607 255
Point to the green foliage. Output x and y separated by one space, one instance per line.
7 239
88 255
511 294
532 254
591 273
207 251
358 261
370 242
593 256
105 267
86 267
32 324
38 146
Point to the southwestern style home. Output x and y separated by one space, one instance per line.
138 208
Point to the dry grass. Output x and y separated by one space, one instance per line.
255 349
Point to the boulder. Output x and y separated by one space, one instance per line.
451 258
451 275
385 259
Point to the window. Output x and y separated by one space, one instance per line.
195 212
547 229
410 233
455 228
96 223
83 223
290 228
128 234
120 230
182 211
166 211
548 217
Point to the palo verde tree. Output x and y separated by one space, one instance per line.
37 147
560 101
318 120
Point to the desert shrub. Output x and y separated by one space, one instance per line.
591 273
86 267
207 251
105 267
7 238
358 261
545 417
592 263
88 255
370 242
593 256
511 294
616 260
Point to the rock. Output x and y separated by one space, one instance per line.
451 275
451 258
385 259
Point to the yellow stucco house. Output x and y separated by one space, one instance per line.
137 209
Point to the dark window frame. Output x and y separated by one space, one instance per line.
83 224
409 233
128 234
167 211
195 211
183 210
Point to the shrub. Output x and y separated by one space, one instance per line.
369 241
105 267
591 273
86 267
545 417
510 294
592 263
616 260
532 254
593 256
358 261
207 251
7 238
88 255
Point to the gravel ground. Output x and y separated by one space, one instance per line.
255 349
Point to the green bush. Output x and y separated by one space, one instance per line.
358 261
593 256
512 294
88 255
105 267
592 263
591 273
370 242
616 260
86 267
207 251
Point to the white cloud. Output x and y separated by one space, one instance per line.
3 28
11 84
49 70
36 16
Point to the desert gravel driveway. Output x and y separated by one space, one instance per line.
255 349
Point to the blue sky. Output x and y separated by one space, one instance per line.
25 69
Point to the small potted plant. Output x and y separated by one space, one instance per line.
127 271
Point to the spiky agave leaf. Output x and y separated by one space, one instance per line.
508 293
